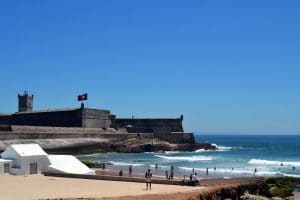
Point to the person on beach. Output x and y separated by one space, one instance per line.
167 174
294 168
148 177
130 170
206 171
156 166
121 172
172 175
215 168
196 179
255 170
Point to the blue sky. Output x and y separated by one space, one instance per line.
225 65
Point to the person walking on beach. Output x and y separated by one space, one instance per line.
172 175
206 171
167 174
148 177
130 170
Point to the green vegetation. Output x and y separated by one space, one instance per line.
91 164
277 187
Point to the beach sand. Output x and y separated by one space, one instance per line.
45 187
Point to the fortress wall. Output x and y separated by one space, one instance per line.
161 128
181 137
5 119
106 135
61 118
93 118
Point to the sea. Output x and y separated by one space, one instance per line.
237 156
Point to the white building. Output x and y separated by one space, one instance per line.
26 159
5 166
21 159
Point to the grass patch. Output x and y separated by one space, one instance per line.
278 187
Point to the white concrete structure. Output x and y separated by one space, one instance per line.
5 166
26 159
68 164
21 159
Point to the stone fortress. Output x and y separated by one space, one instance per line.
102 121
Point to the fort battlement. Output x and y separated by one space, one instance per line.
169 129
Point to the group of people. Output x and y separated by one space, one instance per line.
171 176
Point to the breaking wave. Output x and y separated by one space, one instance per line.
186 158
222 148
125 164
271 162
219 148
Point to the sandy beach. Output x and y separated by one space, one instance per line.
43 187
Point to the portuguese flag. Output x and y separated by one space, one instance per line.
82 97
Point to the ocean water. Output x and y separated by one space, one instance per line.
237 156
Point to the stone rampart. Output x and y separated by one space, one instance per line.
60 118
7 135
166 129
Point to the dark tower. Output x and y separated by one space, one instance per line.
25 102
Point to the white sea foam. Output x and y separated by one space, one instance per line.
230 171
172 152
186 158
125 164
219 148
291 175
161 166
273 162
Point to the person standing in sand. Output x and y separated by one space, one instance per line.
130 170
148 177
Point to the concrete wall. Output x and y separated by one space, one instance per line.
93 118
162 128
5 119
114 178
181 137
107 135
60 118
82 117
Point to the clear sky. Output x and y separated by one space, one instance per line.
225 65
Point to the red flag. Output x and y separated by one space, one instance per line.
82 97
